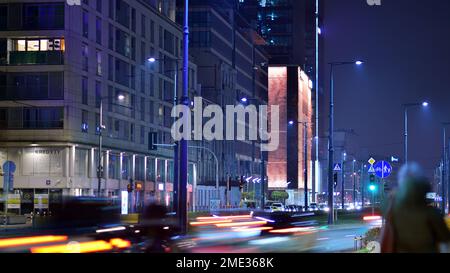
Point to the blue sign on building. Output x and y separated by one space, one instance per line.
9 168
383 169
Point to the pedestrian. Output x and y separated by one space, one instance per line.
411 225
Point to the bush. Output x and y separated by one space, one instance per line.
279 196
372 235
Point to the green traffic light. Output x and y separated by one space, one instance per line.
372 187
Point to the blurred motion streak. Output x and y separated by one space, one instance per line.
84 247
253 229
215 217
240 224
31 240
207 223
110 229
372 218
292 230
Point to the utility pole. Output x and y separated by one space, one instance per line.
331 152
343 180
354 184
361 182
444 166
305 159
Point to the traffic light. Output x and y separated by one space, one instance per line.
152 141
100 171
130 186
372 187
241 183
335 180
372 178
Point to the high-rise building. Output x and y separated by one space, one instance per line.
291 89
291 32
58 64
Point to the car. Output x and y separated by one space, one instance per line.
324 208
278 207
291 208
313 207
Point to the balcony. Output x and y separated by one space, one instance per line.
36 58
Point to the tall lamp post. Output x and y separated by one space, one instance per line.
100 144
331 137
305 155
354 184
183 143
263 164
407 106
176 181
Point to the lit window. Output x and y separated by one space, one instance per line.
44 45
21 45
33 45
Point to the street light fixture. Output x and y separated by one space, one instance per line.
176 182
424 104
331 136
246 100
120 97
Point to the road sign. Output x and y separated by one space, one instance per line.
383 169
394 159
372 161
371 169
124 203
9 168
337 167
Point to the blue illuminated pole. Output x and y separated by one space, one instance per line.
183 210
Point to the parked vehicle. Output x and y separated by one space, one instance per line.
278 207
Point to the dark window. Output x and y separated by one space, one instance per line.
32 86
122 72
43 16
85 24
84 91
98 30
123 13
3 17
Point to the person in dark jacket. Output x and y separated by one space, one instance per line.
415 226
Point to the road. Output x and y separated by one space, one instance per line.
338 239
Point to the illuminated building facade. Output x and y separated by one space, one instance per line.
290 89
56 63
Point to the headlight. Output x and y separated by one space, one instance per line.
326 209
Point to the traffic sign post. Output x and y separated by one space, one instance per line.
9 168
383 169
337 167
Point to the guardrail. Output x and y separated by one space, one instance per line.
359 243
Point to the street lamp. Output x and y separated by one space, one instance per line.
305 155
331 135
246 100
120 97
407 106
176 182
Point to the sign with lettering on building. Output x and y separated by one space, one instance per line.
41 201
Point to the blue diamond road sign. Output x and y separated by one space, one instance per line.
383 169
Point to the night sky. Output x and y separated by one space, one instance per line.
406 44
